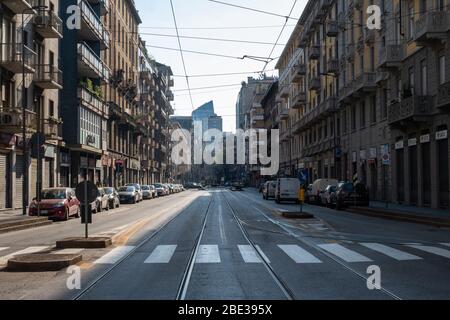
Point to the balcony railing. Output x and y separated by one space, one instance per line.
104 6
299 99
52 131
284 90
12 121
443 97
366 82
48 77
332 28
413 108
432 25
48 24
314 83
333 66
392 56
12 58
350 52
298 72
92 27
18 6
314 52
88 98
92 66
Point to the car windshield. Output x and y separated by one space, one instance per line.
127 189
348 187
53 194
109 190
158 185
145 188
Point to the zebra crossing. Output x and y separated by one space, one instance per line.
210 254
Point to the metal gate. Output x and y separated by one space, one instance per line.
400 176
4 181
18 195
46 174
426 174
413 176
33 180
443 173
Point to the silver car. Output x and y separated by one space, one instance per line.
138 190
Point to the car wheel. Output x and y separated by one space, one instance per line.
77 215
107 206
66 214
134 201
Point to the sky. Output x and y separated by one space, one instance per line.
203 18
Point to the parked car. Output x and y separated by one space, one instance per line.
317 188
269 189
128 194
113 197
147 192
102 201
328 195
287 190
237 186
56 203
166 189
138 188
160 189
348 194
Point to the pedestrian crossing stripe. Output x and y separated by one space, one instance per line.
249 254
208 254
114 255
343 253
161 254
299 255
433 250
391 252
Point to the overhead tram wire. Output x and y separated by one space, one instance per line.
215 28
181 53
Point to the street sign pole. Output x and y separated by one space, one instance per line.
86 212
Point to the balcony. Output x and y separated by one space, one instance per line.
284 90
392 56
333 66
146 96
170 95
303 41
18 6
314 52
314 83
366 82
350 52
12 121
327 107
94 102
299 100
12 58
332 28
104 6
298 72
90 65
48 77
431 26
443 97
52 130
411 109
369 35
92 28
283 114
48 24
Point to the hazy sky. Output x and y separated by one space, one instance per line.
157 19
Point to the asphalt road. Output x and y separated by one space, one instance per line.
219 244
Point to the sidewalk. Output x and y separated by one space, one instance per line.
421 212
11 215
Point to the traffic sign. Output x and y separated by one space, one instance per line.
86 192
303 176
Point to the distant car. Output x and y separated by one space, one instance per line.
102 201
269 189
160 189
56 203
348 194
236 186
147 192
138 188
315 191
287 190
128 195
328 195
113 197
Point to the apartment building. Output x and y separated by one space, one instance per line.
83 99
372 103
30 77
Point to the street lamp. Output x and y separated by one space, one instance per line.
24 112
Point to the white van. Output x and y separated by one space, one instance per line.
317 188
287 189
269 189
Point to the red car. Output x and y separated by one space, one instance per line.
57 204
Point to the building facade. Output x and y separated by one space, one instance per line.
30 76
368 103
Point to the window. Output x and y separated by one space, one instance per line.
424 77
363 115
411 20
51 108
442 69
353 117
373 109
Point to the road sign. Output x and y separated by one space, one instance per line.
303 176
86 190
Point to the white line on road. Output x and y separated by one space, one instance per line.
30 250
262 254
433 250
299 255
69 251
391 252
446 244
161 254
345 254
114 255
4 248
208 254
249 254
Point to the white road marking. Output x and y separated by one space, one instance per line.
4 248
249 254
114 255
161 254
68 251
262 254
299 255
208 254
344 253
433 250
30 250
446 244
391 252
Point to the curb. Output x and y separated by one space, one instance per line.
42 262
405 217
83 243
